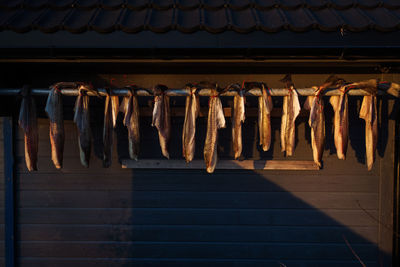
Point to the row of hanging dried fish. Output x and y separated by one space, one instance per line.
216 120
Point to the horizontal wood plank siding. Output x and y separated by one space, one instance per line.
124 217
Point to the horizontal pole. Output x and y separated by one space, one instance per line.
185 92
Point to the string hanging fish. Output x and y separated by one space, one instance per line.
341 121
216 120
238 118
110 120
130 108
81 118
28 122
54 110
290 111
192 109
161 117
368 112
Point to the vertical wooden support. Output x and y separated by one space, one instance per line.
396 210
386 183
9 210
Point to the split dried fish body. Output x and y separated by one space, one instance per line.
290 111
317 123
192 109
237 120
110 116
54 110
368 112
28 122
82 120
264 119
130 108
216 120
341 122
161 117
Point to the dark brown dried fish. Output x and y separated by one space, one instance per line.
130 107
290 111
28 122
317 123
81 118
161 117
54 110
264 118
368 112
216 120
110 117
192 109
341 122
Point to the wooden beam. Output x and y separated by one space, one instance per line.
9 210
221 165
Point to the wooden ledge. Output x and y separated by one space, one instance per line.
221 164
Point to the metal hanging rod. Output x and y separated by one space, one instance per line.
185 92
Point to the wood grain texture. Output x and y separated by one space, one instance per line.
184 217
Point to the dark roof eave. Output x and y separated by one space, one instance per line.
229 43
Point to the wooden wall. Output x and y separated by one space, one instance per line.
124 217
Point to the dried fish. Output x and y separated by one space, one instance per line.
341 122
110 118
317 123
161 117
130 108
28 122
290 111
238 118
264 118
216 120
192 109
368 112
54 110
81 118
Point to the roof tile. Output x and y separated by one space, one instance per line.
215 20
23 20
78 20
10 3
383 19
270 20
133 20
354 20
51 20
298 19
105 20
161 20
191 15
243 20
188 20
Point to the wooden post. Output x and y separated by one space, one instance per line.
9 210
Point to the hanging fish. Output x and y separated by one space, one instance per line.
341 121
368 112
238 118
216 120
192 109
81 118
290 111
110 118
317 118
28 122
130 108
264 118
161 117
54 110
